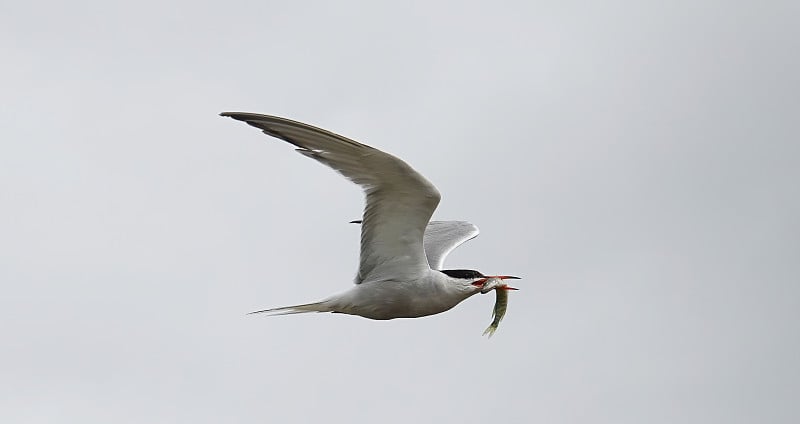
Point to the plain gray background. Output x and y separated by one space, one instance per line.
635 162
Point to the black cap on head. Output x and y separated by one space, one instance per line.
466 274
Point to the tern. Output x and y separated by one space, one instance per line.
400 273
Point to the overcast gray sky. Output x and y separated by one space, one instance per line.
635 162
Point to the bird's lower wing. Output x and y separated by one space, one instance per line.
442 237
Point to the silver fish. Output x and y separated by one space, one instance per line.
492 284
500 306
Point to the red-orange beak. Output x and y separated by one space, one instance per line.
482 281
504 277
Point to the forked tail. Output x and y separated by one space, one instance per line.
296 309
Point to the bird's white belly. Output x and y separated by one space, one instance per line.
389 300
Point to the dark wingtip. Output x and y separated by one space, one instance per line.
357 221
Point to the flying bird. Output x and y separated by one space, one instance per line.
400 273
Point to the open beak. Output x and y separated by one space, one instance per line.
482 281
506 277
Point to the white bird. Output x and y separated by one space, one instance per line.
400 273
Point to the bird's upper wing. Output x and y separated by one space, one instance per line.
399 201
441 237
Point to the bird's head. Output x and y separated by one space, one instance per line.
477 279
